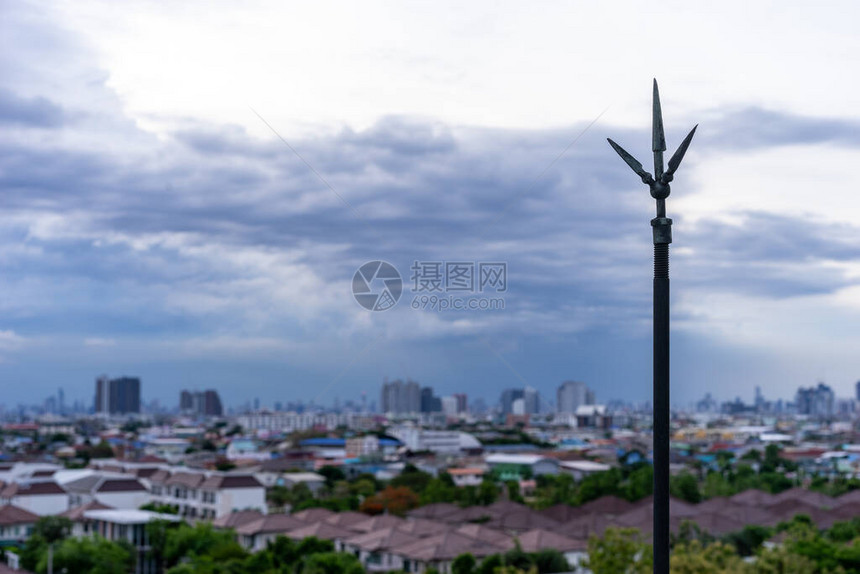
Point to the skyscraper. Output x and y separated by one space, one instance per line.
531 400
507 399
117 396
206 403
815 401
398 397
571 395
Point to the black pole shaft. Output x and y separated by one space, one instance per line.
661 408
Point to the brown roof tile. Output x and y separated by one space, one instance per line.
322 530
444 546
809 497
380 539
186 479
754 497
77 513
270 523
347 519
423 527
237 518
313 515
11 514
539 539
32 489
222 481
121 485
377 523
435 511
486 534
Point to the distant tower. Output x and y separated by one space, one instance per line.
858 391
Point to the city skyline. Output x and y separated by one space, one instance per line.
154 224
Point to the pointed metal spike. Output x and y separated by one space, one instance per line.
658 141
631 161
675 162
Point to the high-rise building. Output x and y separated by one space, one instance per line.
206 403
462 402
430 403
449 405
531 401
858 391
571 395
506 401
398 397
117 396
815 401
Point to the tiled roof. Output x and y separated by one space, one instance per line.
377 523
522 520
436 511
607 505
847 498
121 485
423 527
186 479
222 481
587 525
540 539
270 523
11 514
85 484
444 546
322 530
486 534
31 489
160 476
77 513
312 515
237 518
381 539
809 497
754 497
347 519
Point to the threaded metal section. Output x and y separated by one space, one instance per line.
661 261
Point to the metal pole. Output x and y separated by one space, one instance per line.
662 234
661 397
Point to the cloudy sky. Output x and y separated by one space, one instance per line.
154 224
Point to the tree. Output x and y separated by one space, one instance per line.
686 487
463 564
780 560
102 450
416 480
513 487
200 540
550 560
748 540
393 499
488 492
91 555
53 528
331 563
332 474
694 558
620 551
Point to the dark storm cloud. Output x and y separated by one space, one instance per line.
33 112
118 233
757 127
